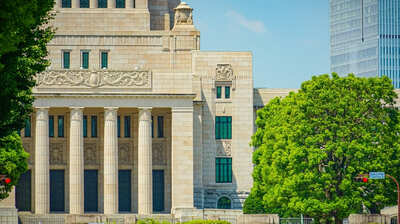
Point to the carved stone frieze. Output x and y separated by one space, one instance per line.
159 151
94 79
224 148
91 154
224 72
57 154
124 153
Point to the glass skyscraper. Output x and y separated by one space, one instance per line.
365 38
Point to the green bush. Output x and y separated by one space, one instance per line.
207 222
152 221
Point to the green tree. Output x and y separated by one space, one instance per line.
311 144
24 34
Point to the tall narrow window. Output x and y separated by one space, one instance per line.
160 126
120 4
51 126
227 92
84 4
66 4
119 126
27 130
85 59
223 127
223 170
219 92
152 126
61 126
85 126
94 126
102 3
66 59
134 3
127 126
104 60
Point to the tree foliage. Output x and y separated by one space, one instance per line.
24 34
311 144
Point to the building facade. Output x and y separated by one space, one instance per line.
131 117
365 38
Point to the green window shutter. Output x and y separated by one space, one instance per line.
85 126
104 60
229 165
66 57
94 126
120 4
227 92
224 133
27 128
84 4
127 126
61 126
51 126
217 170
66 4
219 92
119 126
229 128
217 128
85 60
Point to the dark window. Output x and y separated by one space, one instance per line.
84 4
57 192
223 127
94 126
23 192
224 203
91 196
127 126
51 126
119 126
66 59
61 126
152 127
104 60
66 4
120 4
223 170
124 191
219 90
85 60
27 128
134 3
102 3
227 92
160 126
85 126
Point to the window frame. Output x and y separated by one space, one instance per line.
227 92
119 126
65 5
80 4
63 59
60 126
116 4
83 52
218 92
106 52
223 127
127 126
103 1
223 170
51 126
93 126
84 123
28 128
160 126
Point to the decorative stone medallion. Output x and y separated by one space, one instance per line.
159 154
224 72
94 79
57 154
124 153
91 154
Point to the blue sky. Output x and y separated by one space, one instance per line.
289 38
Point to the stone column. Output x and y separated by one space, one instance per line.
76 162
182 157
42 177
110 161
145 169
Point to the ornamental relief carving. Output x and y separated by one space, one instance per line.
224 72
91 154
159 151
57 154
94 79
124 153
183 14
224 148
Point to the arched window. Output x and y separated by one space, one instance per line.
224 203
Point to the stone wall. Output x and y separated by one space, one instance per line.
369 218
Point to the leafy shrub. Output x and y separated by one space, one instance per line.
207 222
152 221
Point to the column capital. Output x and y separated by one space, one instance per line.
111 108
76 108
145 113
76 113
42 113
145 108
